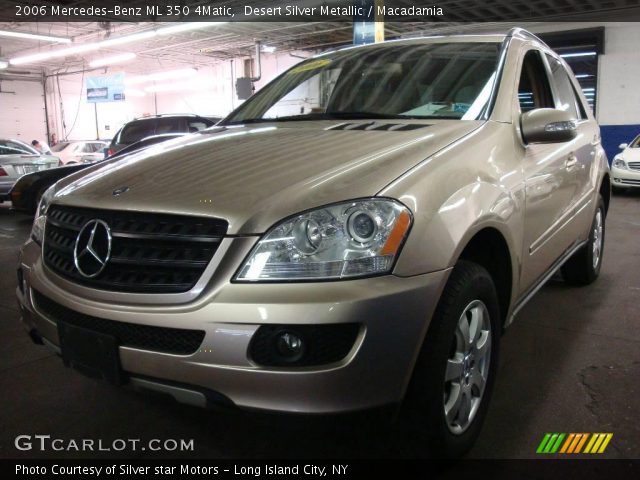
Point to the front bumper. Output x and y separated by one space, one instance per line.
625 178
394 313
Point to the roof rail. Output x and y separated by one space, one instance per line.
521 32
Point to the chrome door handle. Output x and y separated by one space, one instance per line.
571 162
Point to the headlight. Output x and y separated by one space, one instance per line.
345 240
37 231
618 162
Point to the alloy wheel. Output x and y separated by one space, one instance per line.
467 367
597 239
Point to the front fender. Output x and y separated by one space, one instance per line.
436 242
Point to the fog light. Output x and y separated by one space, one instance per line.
290 346
302 345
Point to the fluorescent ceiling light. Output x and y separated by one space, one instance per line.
136 37
37 57
168 75
90 47
3 64
268 49
583 75
99 62
580 54
185 27
34 36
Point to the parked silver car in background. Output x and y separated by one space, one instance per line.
77 151
18 158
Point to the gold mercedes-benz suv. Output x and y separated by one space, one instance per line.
355 235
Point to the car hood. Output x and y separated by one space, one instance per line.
631 155
253 176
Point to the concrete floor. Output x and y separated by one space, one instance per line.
570 363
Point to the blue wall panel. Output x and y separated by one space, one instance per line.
614 135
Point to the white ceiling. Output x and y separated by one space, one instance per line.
224 41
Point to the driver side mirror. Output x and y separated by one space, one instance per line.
547 125
622 146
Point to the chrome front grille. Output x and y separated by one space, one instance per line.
150 253
634 165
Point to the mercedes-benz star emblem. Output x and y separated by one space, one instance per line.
93 248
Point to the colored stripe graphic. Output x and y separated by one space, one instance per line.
567 443
550 443
543 443
581 443
573 443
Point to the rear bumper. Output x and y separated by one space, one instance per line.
625 178
5 188
394 314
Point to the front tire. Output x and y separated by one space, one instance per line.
451 386
584 266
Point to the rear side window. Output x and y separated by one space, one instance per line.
581 109
566 99
136 131
169 125
7 147
534 90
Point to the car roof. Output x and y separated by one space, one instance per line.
516 32
168 115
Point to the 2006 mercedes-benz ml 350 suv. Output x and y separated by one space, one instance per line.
357 234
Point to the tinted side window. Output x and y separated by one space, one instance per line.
566 100
136 131
14 148
534 90
581 109
169 125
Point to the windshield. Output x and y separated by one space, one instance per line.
58 147
635 143
438 80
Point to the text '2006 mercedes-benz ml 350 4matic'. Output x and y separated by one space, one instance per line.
356 235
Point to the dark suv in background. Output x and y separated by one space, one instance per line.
140 128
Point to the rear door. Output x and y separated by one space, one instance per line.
581 160
550 185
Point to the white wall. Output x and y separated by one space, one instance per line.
619 76
22 111
211 92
